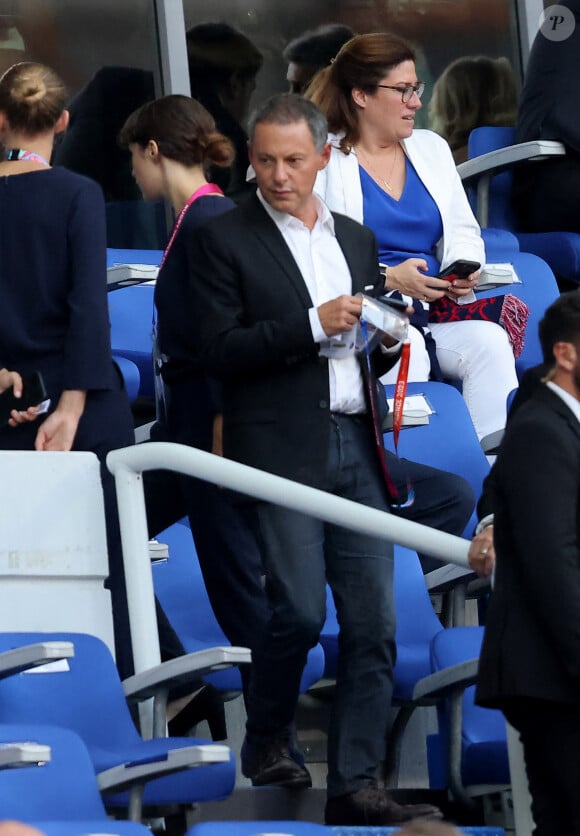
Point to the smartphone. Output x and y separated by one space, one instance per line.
397 304
33 393
459 269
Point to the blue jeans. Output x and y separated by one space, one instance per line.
300 555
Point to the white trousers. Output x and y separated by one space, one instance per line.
480 355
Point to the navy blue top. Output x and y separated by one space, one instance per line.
406 228
53 282
173 298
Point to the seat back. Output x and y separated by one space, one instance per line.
561 250
64 787
181 591
83 694
416 625
482 141
448 441
180 588
131 315
484 758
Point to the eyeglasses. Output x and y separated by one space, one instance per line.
406 91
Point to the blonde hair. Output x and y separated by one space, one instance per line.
32 97
472 92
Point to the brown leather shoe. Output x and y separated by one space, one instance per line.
374 807
272 764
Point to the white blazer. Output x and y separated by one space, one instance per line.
339 186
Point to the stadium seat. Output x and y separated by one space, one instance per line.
59 796
448 441
131 376
131 317
84 694
487 176
470 752
181 591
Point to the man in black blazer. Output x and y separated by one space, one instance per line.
274 283
530 659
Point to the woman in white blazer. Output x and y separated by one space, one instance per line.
403 184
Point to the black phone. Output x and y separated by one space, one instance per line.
397 304
33 393
459 269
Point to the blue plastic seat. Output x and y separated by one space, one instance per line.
484 757
131 316
131 376
448 441
86 696
561 250
61 797
181 591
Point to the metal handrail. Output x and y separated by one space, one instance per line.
128 463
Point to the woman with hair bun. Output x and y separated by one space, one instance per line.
54 298
173 141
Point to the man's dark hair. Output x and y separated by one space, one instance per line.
287 109
319 46
560 323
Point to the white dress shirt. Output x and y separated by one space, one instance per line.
568 399
326 276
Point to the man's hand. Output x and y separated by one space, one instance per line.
481 554
340 314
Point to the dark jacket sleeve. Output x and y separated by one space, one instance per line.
237 332
537 495
87 353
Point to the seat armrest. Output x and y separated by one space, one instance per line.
183 669
448 577
33 655
14 755
503 159
490 443
125 776
479 171
431 689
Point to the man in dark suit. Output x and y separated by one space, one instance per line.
275 281
530 659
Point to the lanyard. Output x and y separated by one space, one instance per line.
400 391
20 154
207 188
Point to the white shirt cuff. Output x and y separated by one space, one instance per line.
318 334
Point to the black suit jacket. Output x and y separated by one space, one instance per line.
531 646
254 334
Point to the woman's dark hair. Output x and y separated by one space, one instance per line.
361 63
32 97
183 130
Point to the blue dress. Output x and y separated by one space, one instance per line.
406 228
